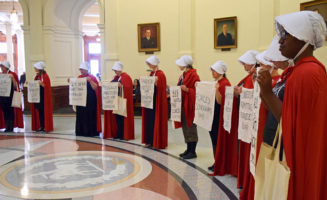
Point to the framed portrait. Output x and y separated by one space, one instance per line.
148 37
319 6
225 33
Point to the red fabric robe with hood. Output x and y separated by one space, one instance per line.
18 113
110 126
244 148
304 129
160 135
226 151
188 98
48 117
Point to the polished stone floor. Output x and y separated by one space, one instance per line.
59 165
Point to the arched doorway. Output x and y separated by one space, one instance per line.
11 35
91 39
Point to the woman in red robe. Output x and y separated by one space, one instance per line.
187 83
88 118
116 126
224 143
249 61
42 119
247 192
155 121
304 109
10 117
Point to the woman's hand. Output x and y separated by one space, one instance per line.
184 88
265 82
237 90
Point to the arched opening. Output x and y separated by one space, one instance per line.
91 39
11 35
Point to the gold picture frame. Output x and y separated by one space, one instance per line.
319 6
225 33
148 37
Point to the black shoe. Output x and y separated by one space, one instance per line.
211 168
189 155
183 154
8 130
40 130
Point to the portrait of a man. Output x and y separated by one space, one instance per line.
225 38
149 37
225 32
148 41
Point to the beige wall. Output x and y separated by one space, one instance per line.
186 27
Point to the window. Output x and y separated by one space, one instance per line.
94 48
3 48
94 67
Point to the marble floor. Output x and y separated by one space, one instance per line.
59 165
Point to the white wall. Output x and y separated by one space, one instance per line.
186 26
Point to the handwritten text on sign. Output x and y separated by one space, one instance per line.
176 103
33 91
109 96
5 85
228 108
147 91
205 104
255 126
245 115
77 91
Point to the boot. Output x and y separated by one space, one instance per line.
191 154
9 126
186 151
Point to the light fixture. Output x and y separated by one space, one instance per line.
13 14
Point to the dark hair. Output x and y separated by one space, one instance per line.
190 66
224 75
257 65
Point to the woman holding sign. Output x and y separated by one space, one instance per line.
155 121
10 117
303 109
249 62
187 83
267 61
88 118
224 143
115 125
42 119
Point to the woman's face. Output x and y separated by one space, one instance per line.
289 45
4 69
135 82
153 67
118 73
247 67
215 75
83 72
182 68
266 67
37 70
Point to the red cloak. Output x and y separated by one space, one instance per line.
188 98
304 126
160 133
18 113
248 189
226 151
98 94
110 126
244 148
48 117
